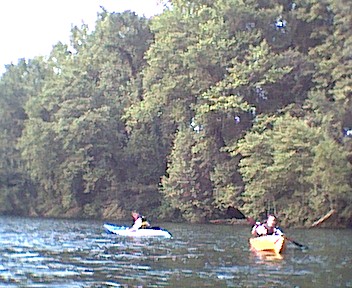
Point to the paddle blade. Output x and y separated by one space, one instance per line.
298 244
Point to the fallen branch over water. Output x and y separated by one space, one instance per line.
229 221
325 217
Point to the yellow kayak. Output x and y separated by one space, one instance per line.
272 243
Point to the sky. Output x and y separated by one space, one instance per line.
30 28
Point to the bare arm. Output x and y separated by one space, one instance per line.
137 224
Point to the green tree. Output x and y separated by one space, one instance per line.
331 106
213 63
277 161
17 84
187 189
78 159
291 168
331 180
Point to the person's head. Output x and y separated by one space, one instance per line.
271 221
135 215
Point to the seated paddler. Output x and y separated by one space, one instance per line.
139 222
269 227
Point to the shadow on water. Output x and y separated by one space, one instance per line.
71 253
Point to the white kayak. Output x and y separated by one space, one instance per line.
146 232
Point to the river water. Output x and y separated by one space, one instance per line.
74 253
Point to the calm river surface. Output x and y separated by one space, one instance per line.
74 253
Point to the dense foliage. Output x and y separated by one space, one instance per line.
210 105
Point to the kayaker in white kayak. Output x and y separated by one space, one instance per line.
139 222
268 228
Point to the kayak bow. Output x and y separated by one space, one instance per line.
145 232
272 243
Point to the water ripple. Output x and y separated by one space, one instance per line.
54 253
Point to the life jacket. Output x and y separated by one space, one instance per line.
271 230
145 223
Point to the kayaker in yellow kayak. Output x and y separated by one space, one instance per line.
269 227
139 222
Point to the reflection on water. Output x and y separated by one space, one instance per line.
71 253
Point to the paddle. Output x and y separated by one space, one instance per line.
297 244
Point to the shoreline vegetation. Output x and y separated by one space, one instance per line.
209 105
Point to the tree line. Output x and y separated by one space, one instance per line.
209 105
